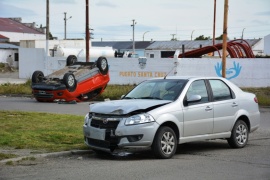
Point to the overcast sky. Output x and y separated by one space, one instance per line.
112 19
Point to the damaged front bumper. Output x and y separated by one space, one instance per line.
116 135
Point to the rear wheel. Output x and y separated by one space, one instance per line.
37 77
71 59
102 65
239 136
165 143
70 82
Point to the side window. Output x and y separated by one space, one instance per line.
220 90
198 88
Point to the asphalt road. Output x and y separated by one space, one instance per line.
198 160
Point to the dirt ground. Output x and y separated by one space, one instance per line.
8 72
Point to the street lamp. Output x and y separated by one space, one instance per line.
133 27
144 34
243 33
65 19
192 34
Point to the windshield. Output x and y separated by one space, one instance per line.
163 89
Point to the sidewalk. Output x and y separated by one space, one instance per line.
44 155
11 77
12 81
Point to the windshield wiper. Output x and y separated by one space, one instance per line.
129 98
150 98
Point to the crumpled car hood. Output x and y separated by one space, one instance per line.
118 107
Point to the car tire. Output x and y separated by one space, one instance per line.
102 65
71 59
37 77
70 82
165 143
239 136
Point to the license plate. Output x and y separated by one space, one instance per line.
97 133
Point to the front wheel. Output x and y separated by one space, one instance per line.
165 143
239 136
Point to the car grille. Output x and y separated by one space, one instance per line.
43 95
109 123
100 124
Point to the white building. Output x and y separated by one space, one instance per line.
16 31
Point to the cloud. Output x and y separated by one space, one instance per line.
259 22
14 11
63 1
106 4
265 13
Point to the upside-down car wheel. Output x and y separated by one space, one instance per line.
71 59
102 65
37 77
70 82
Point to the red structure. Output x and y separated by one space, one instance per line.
236 49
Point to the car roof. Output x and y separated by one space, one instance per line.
188 77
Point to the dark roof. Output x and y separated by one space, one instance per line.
113 44
173 45
9 25
3 37
163 45
8 46
122 44
141 44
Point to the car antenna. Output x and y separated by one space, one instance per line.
168 73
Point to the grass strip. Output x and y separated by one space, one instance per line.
46 131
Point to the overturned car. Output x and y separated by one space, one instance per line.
78 81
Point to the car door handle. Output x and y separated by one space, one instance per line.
234 104
208 108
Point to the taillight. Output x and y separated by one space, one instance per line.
256 100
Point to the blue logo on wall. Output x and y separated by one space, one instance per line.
231 72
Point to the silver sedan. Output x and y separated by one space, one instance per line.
160 113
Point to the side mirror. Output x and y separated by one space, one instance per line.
122 96
194 98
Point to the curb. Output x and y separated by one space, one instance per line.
54 154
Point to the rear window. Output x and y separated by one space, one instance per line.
220 90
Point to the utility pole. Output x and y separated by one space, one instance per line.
65 19
214 24
133 27
47 26
87 31
192 34
173 39
224 44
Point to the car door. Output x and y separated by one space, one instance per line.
225 106
198 116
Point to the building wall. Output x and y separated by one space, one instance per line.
5 54
17 37
267 45
243 72
151 53
258 48
52 43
